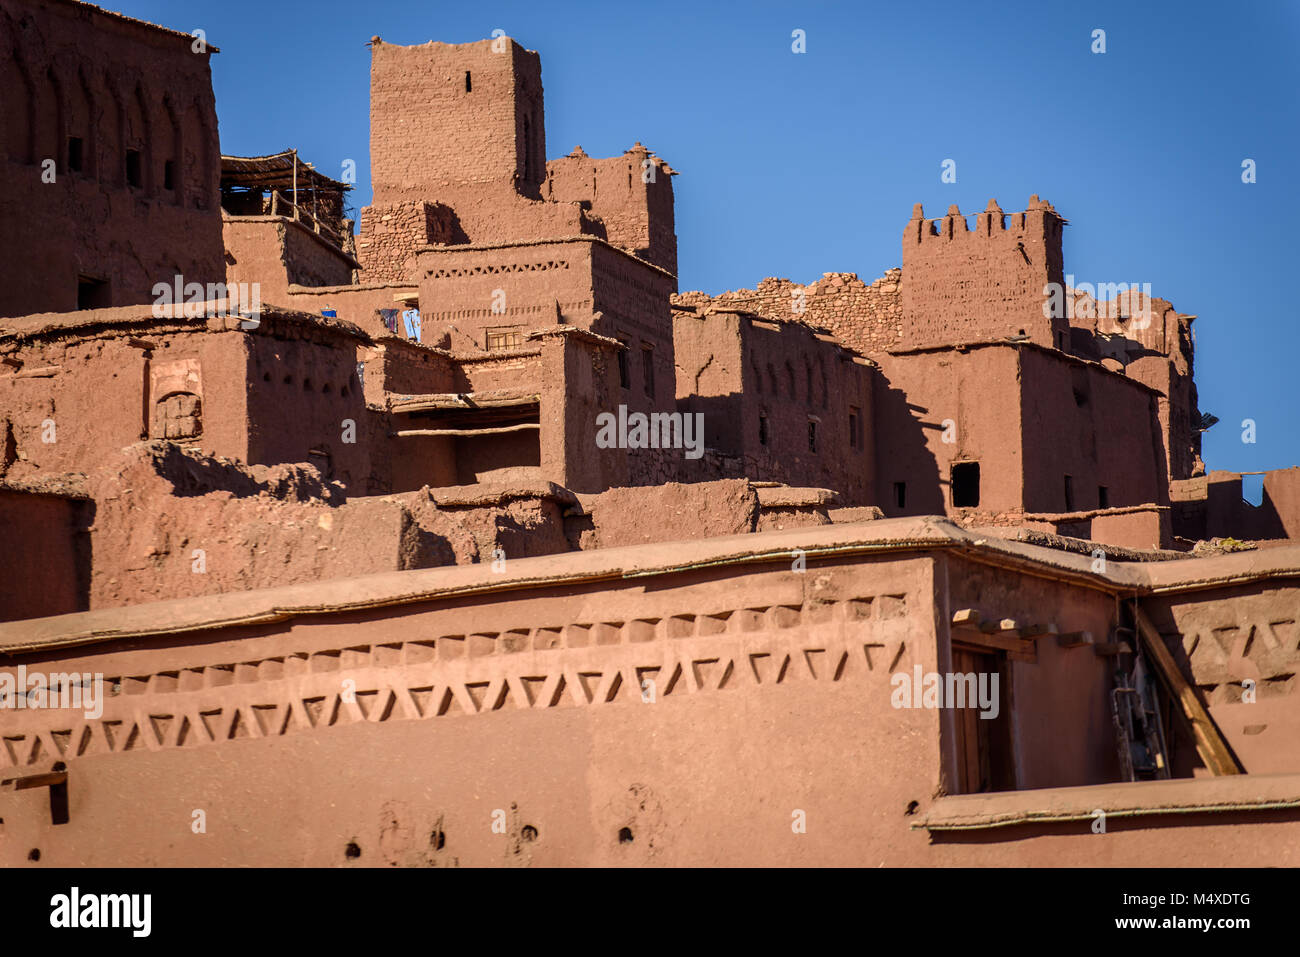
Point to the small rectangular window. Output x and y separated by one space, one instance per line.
812 436
505 337
469 87
900 495
1103 497
93 293
762 430
75 151
134 169
624 376
648 370
1069 494
169 174
853 428
965 484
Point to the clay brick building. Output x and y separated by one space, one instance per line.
108 146
384 467
779 402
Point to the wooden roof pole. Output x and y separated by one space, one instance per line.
1214 751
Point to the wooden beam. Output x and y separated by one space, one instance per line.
525 426
1110 648
1031 632
1210 745
1074 639
43 780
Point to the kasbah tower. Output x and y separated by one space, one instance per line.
393 536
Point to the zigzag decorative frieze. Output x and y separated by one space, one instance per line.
634 663
1256 640
458 273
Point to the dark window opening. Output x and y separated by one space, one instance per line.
648 370
169 174
853 428
965 484
812 436
762 430
93 293
75 153
624 376
134 169
1069 494
469 87
1103 497
900 495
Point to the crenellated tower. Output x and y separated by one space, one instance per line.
968 285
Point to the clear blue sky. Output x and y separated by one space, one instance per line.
794 165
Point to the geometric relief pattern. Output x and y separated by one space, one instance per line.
458 273
1240 639
593 664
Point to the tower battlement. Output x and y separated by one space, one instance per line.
962 284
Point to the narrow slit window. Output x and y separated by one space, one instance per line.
648 370
134 169
900 495
76 151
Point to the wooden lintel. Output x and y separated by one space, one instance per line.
995 642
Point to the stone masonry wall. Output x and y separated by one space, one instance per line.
867 318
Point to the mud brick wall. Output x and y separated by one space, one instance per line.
392 234
68 73
449 114
963 285
629 212
779 402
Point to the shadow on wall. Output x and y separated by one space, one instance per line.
907 474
